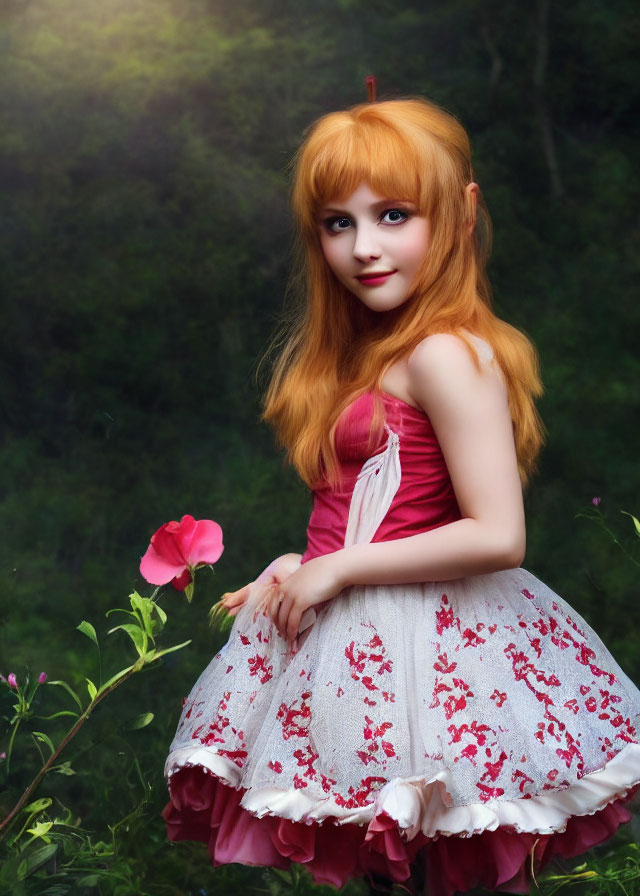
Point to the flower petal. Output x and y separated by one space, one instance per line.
157 570
178 547
167 542
205 543
181 581
184 532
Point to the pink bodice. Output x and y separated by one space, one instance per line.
425 498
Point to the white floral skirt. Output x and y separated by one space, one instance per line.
410 717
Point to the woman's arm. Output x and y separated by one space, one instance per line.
469 411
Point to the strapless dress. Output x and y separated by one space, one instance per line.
479 722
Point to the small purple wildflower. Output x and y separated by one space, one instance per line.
42 678
12 681
596 501
3 756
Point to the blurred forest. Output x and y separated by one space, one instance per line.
145 249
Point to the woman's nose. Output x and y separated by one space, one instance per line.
366 245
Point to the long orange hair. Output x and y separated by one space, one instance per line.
334 348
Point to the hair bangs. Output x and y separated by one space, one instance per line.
361 150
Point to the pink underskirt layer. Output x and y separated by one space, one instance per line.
205 809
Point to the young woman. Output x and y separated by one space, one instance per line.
403 695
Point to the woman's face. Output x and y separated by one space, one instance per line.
374 245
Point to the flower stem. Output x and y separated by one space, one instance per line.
10 747
52 760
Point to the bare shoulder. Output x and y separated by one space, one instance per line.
442 368
441 349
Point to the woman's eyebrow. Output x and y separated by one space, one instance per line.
382 204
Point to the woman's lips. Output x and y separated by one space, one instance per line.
376 278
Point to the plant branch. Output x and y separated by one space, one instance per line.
11 740
51 761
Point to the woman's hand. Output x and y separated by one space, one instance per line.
277 572
315 582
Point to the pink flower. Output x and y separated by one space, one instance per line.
12 681
42 678
176 549
596 501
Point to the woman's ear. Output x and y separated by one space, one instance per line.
472 190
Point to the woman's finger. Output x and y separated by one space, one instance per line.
276 601
234 611
285 603
289 615
293 624
236 598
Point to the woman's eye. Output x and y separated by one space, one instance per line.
394 216
336 225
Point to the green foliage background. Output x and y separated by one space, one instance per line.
144 244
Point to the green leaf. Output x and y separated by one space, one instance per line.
36 859
38 805
69 690
135 633
45 739
114 679
120 610
188 592
93 690
141 721
161 613
41 829
636 521
64 769
87 629
144 606
160 653
57 715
